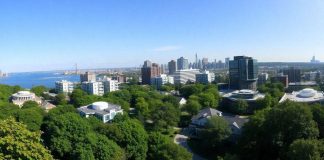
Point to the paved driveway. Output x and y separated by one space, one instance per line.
181 139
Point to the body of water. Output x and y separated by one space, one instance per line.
30 79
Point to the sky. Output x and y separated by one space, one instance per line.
37 35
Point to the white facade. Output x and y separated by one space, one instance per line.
100 88
205 77
23 96
183 76
110 86
102 110
64 86
244 94
161 80
306 95
94 88
167 79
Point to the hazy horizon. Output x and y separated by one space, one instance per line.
39 35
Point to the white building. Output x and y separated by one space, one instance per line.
262 78
88 77
183 76
93 88
244 94
23 96
307 95
161 80
110 86
205 77
102 110
100 88
64 86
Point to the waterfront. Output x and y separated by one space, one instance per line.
30 79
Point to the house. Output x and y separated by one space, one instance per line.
200 120
182 101
104 111
202 117
46 105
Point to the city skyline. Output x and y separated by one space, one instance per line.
54 35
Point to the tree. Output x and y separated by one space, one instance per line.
216 131
30 104
7 110
269 133
16 142
305 149
239 107
64 132
103 148
39 90
207 100
192 107
191 89
161 148
318 116
142 106
60 99
81 98
266 102
32 117
130 135
165 117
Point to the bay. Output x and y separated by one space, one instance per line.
29 79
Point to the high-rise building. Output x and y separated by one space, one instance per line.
280 79
88 77
262 78
110 86
147 63
157 82
94 88
227 62
120 78
313 60
64 86
150 70
172 65
205 77
182 63
184 76
243 73
204 63
294 74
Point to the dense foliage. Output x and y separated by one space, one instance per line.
146 130
16 142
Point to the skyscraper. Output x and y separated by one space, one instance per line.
150 70
204 63
172 66
243 73
182 63
294 74
227 62
88 77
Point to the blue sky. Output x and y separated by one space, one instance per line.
56 34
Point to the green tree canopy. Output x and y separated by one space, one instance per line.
16 142
269 133
60 99
162 148
39 90
216 131
306 149
130 135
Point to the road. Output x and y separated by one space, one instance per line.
182 139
